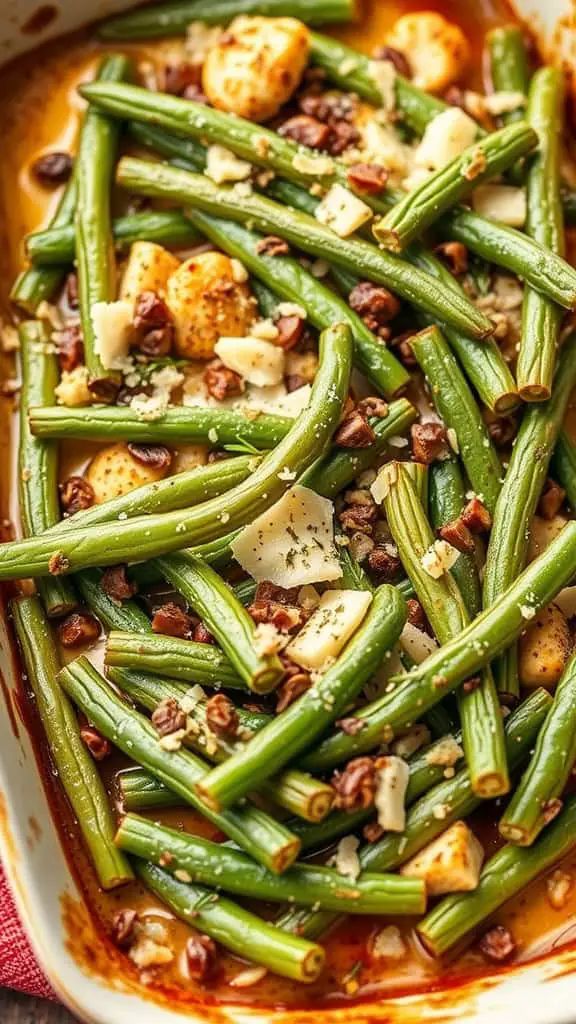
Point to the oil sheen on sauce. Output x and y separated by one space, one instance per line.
40 112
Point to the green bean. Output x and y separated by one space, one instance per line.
112 614
39 284
266 840
72 762
523 483
289 279
505 874
545 223
94 248
564 465
141 791
154 535
482 727
509 65
235 928
492 632
447 500
176 659
215 864
449 185
245 591
217 553
172 19
179 425
37 459
543 270
57 245
543 782
296 728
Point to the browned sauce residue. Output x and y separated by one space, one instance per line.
40 19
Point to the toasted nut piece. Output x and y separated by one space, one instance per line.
544 648
551 500
458 535
256 66
207 303
429 442
200 956
354 432
148 268
221 715
114 471
497 944
476 517
99 747
436 49
172 620
78 630
53 168
75 494
306 131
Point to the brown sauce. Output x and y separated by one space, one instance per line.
39 112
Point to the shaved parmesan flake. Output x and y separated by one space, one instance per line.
446 752
381 145
278 400
319 165
258 361
329 628
251 976
391 784
504 102
223 165
111 322
383 74
417 644
504 203
386 478
439 558
450 863
408 744
347 861
292 543
446 136
342 211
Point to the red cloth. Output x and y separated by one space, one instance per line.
18 966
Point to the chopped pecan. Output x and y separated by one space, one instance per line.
458 535
78 629
404 349
173 621
153 324
476 516
454 255
267 591
329 106
201 635
342 135
471 684
396 57
374 300
70 347
157 456
551 500
104 389
179 77
221 382
290 330
497 944
98 746
200 956
221 715
71 290
168 717
351 726
372 832
429 442
502 429
116 585
53 168
76 494
306 131
355 432
370 178
416 614
291 688
271 245
355 785
284 617
373 406
124 926
387 565
358 517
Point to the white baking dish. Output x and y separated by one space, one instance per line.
539 993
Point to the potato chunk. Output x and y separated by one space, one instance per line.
114 471
148 268
207 302
436 49
545 648
450 863
256 66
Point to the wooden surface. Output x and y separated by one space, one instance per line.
18 1009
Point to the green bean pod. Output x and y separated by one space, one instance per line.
112 614
509 69
140 791
39 284
447 501
180 660
564 465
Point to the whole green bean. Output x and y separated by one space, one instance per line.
505 874
37 284
75 767
181 660
112 614
216 864
485 159
493 631
296 728
172 19
447 500
151 536
141 791
564 465
509 65
518 500
541 319
179 425
94 248
37 459
260 835
217 553
455 404
549 769
235 928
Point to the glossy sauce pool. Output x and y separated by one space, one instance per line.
40 112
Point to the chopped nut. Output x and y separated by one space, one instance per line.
416 614
98 746
200 956
358 517
551 500
373 406
222 382
404 349
374 301
202 635
173 621
157 456
386 565
306 131
497 944
116 584
78 629
53 168
177 78
76 494
429 442
271 245
355 786
454 255
369 178
395 57
372 832
123 927
355 432
221 715
476 517
458 535
291 688
168 717
153 324
290 330
502 429
351 726
70 347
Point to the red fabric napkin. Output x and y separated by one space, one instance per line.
18 966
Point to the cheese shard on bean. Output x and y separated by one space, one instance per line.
112 323
446 136
390 796
450 863
504 203
292 543
342 211
329 628
257 361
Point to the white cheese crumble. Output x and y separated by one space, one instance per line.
347 861
391 784
446 136
222 165
329 628
504 203
111 323
257 361
450 863
439 558
383 74
342 211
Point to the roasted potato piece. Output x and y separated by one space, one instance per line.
115 471
207 302
542 533
450 863
544 649
436 49
148 268
256 66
